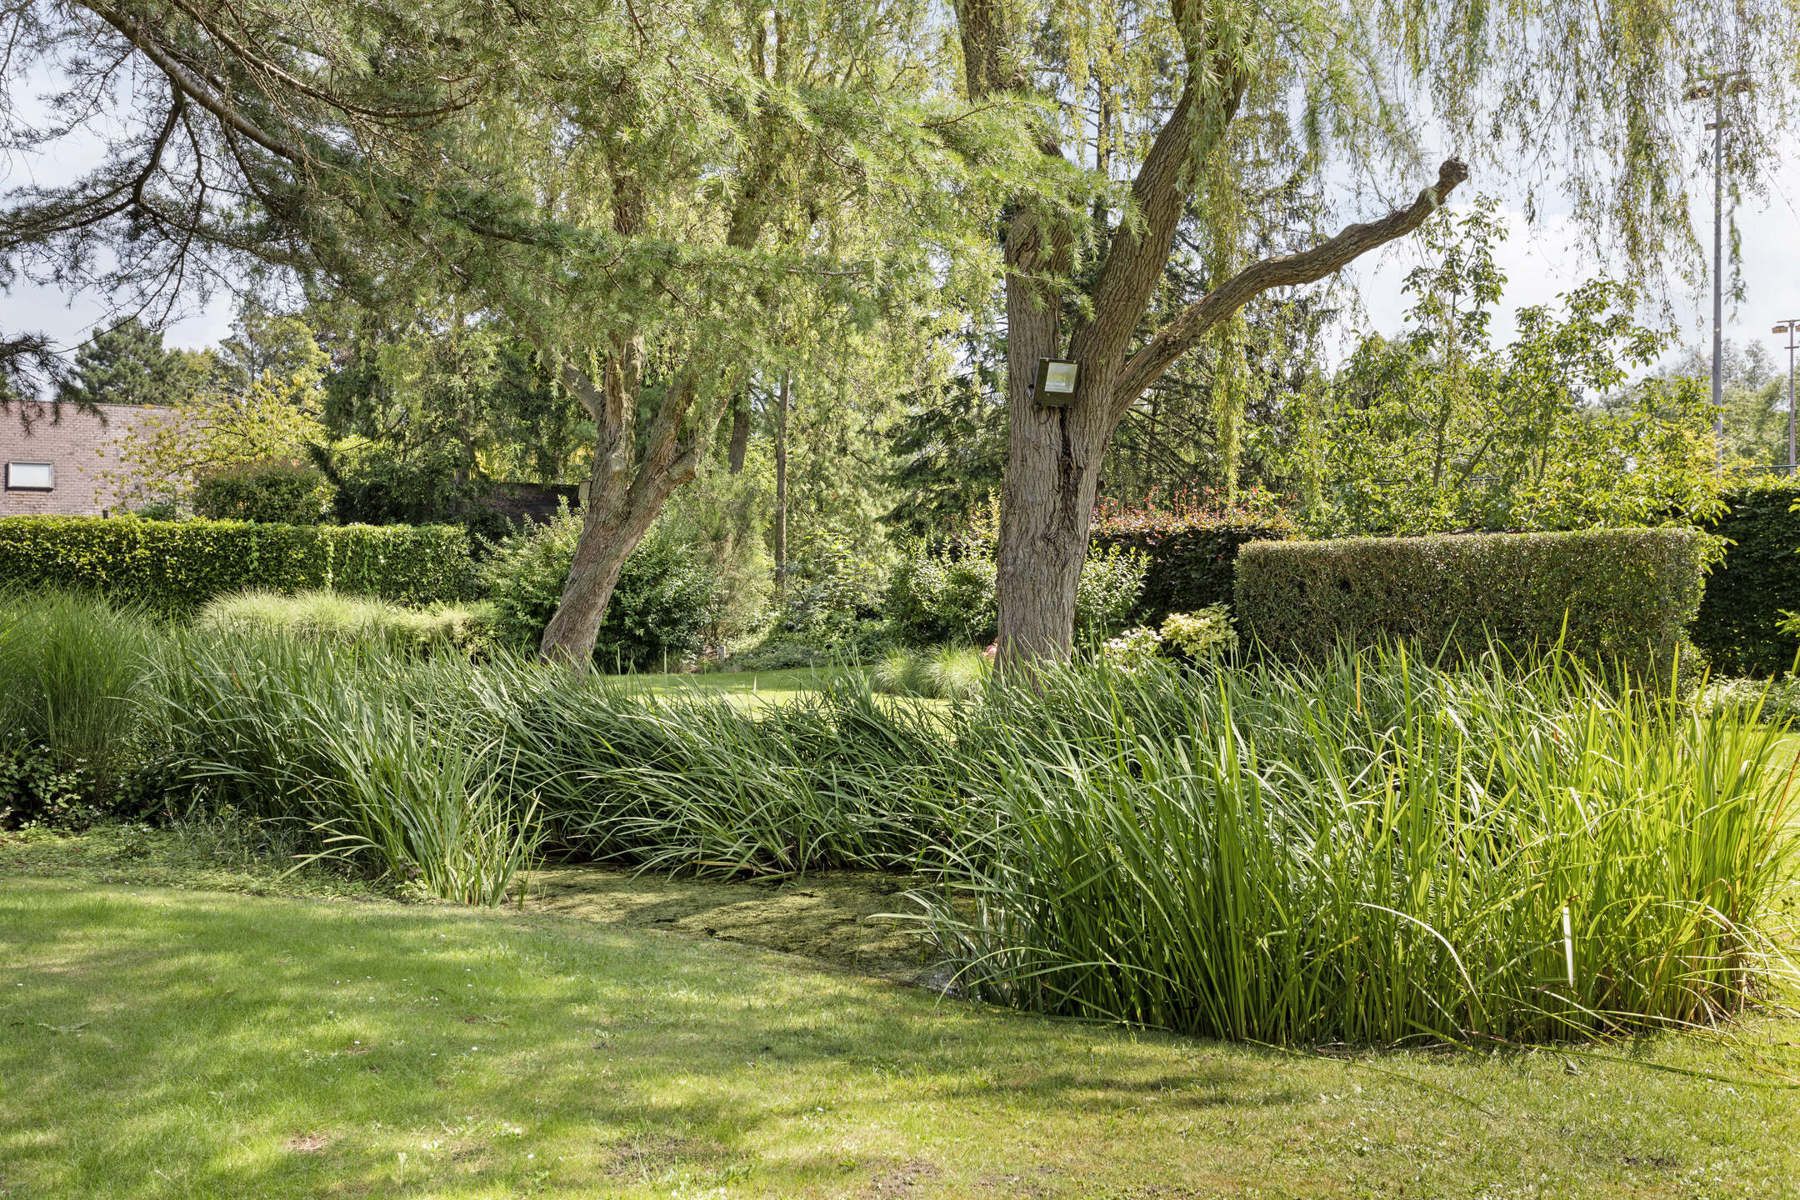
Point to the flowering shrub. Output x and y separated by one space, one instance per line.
1203 636
1133 650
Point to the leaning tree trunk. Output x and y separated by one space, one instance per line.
607 539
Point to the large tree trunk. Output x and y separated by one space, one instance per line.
1047 502
1054 455
740 432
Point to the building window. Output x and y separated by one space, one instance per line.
30 477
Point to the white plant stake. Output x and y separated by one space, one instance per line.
1569 946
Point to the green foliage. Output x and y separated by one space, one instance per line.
1739 625
376 483
126 364
1438 430
1133 650
351 623
944 673
468 399
274 492
949 446
1364 817
831 596
174 568
1204 636
943 597
1622 596
1189 544
665 600
1371 850
72 739
1108 590
945 592
276 727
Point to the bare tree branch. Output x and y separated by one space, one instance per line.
1306 266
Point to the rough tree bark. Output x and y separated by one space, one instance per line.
739 447
624 494
1054 454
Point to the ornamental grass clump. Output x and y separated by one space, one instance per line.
1370 851
351 753
72 738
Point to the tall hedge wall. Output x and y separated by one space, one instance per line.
1628 594
1745 594
1191 555
175 567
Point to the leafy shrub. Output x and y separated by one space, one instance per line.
937 597
375 484
846 641
660 608
1205 636
832 586
1776 699
948 595
1621 596
173 568
1189 546
1108 591
352 622
277 493
1739 624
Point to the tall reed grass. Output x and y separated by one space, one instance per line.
1366 850
72 670
1369 851
286 730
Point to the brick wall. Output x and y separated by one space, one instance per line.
84 449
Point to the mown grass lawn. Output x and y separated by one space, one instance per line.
740 687
161 1041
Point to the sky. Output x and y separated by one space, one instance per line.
1540 260
1547 258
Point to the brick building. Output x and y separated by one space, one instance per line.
68 464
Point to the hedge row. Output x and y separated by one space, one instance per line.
175 567
1191 554
1745 595
1626 595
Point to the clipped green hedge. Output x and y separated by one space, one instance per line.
174 567
1738 626
1628 595
1190 555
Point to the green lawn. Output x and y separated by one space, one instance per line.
741 687
157 1040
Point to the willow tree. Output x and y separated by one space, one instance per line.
638 190
1183 108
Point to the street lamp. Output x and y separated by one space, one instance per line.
1716 87
1791 327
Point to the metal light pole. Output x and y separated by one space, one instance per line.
1791 327
1716 87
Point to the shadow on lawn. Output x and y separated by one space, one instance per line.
171 1044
